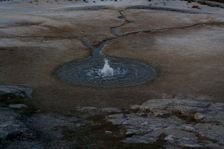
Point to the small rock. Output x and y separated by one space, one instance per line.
148 138
111 110
160 113
188 128
87 109
198 116
18 106
169 139
135 107
125 123
108 132
130 132
191 145
16 90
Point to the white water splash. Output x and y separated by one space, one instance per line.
106 71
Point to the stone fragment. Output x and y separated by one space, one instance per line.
169 139
10 125
18 106
188 127
108 132
198 116
16 90
87 109
111 110
135 107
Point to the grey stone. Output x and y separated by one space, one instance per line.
169 106
111 110
87 109
143 129
108 132
188 127
18 106
116 119
198 116
182 138
10 124
146 138
135 107
17 90
169 139
211 131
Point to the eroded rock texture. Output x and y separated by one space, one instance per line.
175 122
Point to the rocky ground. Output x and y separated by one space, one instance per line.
157 123
183 40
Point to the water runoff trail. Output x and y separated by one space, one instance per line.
99 70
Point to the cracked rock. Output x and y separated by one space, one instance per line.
144 125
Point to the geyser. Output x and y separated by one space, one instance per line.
103 71
106 70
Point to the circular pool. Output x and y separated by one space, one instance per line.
87 72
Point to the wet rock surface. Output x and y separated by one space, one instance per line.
177 122
17 91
